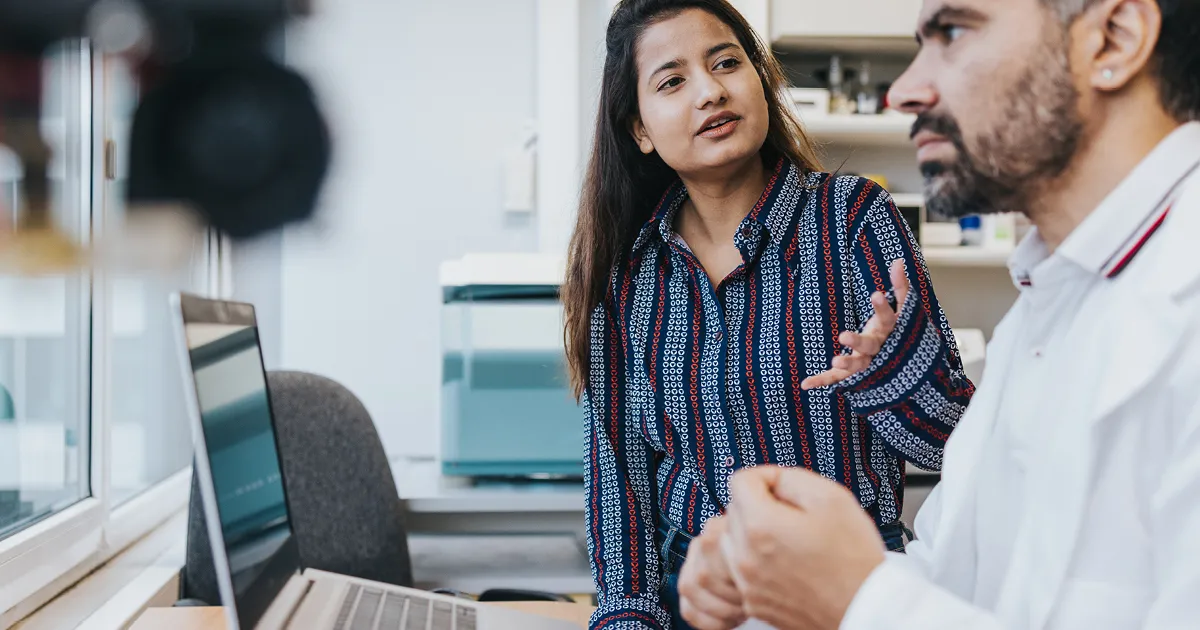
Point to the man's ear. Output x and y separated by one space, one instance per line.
1121 36
640 136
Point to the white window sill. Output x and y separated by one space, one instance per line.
111 597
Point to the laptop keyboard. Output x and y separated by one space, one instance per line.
365 608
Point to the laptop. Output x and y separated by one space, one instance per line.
262 583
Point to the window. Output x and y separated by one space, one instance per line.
94 441
44 339
151 438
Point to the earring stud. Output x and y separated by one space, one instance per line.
1107 73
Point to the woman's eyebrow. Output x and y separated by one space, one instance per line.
677 63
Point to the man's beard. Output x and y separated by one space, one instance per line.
1035 142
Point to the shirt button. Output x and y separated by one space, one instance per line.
747 231
1036 353
729 461
717 336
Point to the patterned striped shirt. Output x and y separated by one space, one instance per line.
689 382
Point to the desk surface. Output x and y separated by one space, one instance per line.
214 618
421 483
428 492
437 504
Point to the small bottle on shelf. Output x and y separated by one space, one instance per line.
839 101
972 230
999 231
868 100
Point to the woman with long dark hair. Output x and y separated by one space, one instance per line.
727 306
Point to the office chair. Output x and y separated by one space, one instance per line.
346 514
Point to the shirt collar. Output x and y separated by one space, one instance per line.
662 217
1108 238
1030 253
762 216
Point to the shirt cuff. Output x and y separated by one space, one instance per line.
907 359
630 613
879 599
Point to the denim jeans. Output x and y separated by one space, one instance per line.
673 548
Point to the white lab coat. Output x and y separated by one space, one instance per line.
1113 494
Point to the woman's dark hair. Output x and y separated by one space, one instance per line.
622 185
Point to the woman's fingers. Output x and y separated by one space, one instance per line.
825 379
865 344
885 318
876 323
899 281
852 364
868 343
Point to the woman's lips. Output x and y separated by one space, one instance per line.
721 131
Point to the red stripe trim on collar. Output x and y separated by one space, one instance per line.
661 209
1138 244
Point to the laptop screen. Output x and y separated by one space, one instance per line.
240 448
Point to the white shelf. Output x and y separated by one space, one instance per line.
503 270
908 200
877 130
854 45
966 256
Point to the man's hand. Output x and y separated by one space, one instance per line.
865 345
799 547
708 598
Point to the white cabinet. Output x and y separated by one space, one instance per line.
799 19
757 14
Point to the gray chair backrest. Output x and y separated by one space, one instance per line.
346 514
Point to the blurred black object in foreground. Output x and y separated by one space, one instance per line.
222 126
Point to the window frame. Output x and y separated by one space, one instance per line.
141 513
49 556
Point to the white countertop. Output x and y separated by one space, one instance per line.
426 490
475 538
513 536
503 269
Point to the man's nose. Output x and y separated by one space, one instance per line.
913 92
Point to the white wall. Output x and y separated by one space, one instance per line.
423 98
594 16
423 102
758 14
257 268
